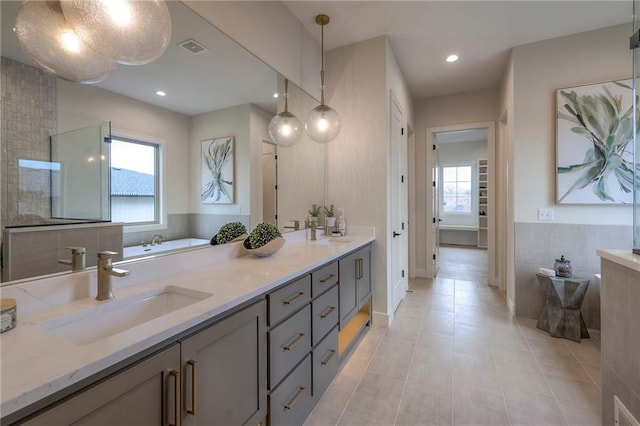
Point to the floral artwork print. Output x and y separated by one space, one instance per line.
217 171
595 144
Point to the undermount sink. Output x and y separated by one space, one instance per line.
117 315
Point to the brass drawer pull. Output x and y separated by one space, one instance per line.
294 342
295 399
192 411
328 358
327 312
176 392
293 299
360 264
324 280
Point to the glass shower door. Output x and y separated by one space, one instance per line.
80 183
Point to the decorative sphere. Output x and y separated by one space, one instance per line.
49 40
323 124
285 129
132 32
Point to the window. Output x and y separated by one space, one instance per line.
135 185
456 189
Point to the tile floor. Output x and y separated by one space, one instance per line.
454 355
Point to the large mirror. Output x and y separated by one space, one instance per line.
214 90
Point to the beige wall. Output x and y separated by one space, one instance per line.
360 78
441 111
540 69
269 30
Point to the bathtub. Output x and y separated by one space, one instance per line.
166 246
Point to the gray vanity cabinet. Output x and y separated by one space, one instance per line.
147 393
224 371
355 283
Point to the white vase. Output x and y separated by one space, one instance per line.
331 222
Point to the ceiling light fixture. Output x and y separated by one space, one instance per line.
452 58
323 122
161 93
49 40
83 40
285 129
132 32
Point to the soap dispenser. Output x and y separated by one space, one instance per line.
340 222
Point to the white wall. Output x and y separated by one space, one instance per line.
270 31
360 78
234 121
80 105
433 112
539 69
259 132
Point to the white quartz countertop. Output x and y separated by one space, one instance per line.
622 257
36 364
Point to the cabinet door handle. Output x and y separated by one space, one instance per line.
327 312
176 403
324 280
293 299
359 267
191 363
294 342
328 358
296 397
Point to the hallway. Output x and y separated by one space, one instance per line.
454 355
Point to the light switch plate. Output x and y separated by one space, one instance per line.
545 214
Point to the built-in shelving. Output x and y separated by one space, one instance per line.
483 202
355 325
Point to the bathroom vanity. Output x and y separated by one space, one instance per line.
235 340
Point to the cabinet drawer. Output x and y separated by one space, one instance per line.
291 402
324 314
289 299
323 279
325 363
289 342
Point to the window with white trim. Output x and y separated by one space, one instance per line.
456 195
135 181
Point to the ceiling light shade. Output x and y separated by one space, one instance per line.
132 32
285 129
323 122
51 43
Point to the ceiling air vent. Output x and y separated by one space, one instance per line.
193 46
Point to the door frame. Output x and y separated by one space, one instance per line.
491 151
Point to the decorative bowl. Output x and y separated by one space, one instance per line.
235 240
266 250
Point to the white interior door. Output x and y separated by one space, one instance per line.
435 199
399 209
269 184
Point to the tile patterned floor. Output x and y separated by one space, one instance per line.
454 355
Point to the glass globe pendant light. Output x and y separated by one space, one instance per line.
323 122
49 40
285 129
132 32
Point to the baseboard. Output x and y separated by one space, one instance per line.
421 273
511 306
380 319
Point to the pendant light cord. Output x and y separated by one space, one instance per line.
286 95
322 62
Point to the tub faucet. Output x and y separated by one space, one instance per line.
77 261
105 271
156 239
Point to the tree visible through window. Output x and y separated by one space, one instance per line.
134 181
456 189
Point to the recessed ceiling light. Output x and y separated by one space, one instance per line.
161 93
275 95
452 58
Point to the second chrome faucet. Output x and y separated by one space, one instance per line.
105 272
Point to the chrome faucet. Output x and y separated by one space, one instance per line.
77 261
156 239
105 271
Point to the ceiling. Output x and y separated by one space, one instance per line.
423 33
